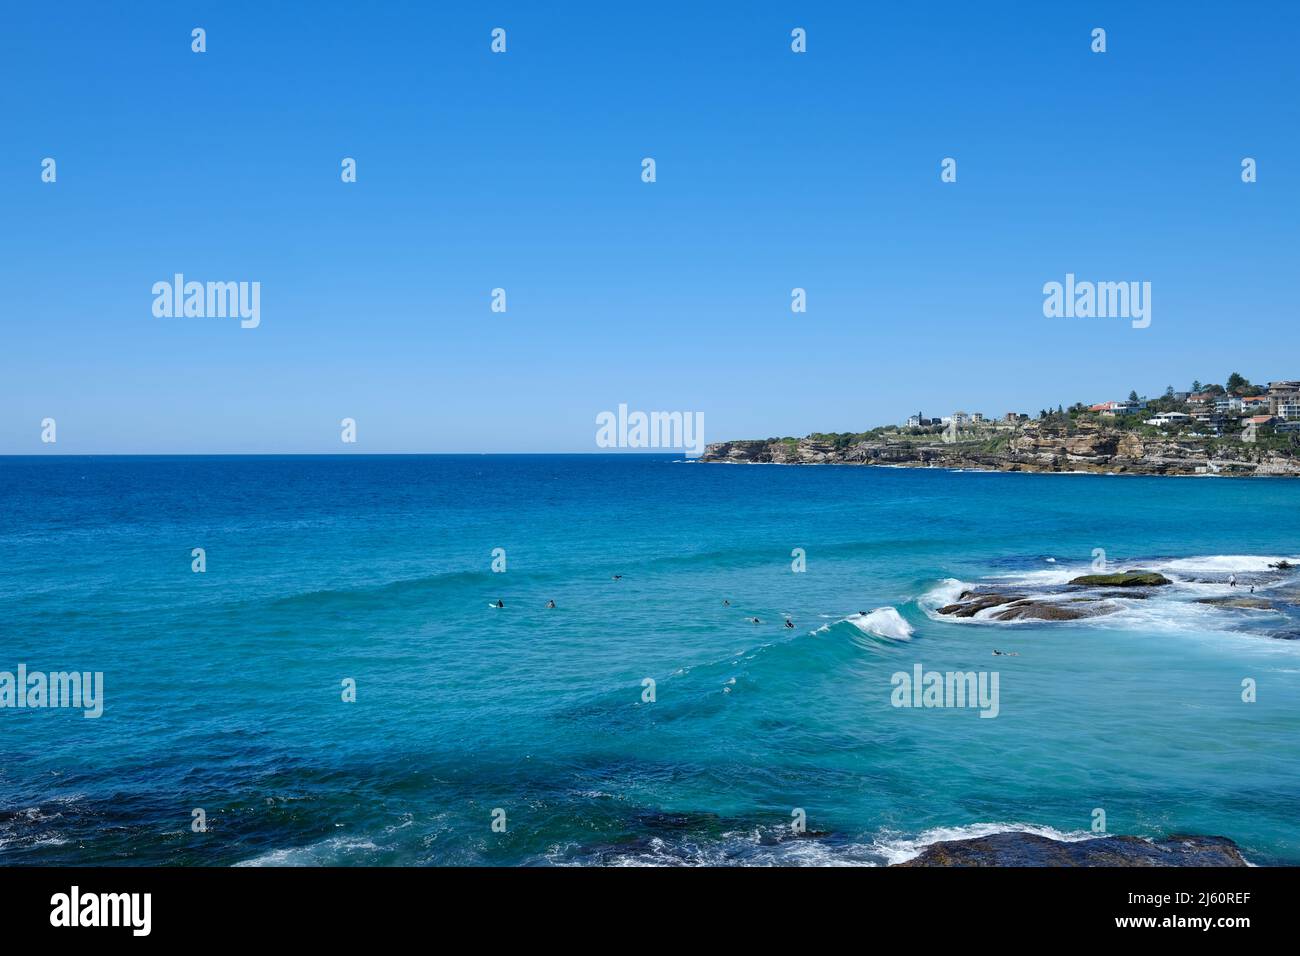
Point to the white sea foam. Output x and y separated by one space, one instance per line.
1223 564
326 852
944 593
737 848
760 848
1173 608
883 622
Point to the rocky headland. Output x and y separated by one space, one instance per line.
1083 446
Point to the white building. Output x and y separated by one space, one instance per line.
1168 418
1111 409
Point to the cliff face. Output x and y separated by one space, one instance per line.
1030 447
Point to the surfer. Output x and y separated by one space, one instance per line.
550 604
998 653
726 603
756 620
500 603
618 577
789 623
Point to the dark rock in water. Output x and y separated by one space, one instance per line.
1029 849
979 602
1043 611
1124 579
1016 607
657 820
1242 601
1282 565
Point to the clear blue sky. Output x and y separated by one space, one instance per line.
522 171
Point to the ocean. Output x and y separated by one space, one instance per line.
647 718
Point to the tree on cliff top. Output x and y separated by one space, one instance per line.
1237 382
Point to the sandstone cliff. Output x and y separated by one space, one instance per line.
1032 446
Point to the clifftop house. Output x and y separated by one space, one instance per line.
1284 399
1168 418
1111 409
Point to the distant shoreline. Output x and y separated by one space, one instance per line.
1054 447
957 469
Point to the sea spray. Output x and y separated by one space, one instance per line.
883 622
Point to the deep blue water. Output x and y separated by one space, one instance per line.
223 689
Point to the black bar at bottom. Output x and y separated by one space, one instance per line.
333 905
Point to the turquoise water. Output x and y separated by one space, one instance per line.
223 689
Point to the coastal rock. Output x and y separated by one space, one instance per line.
751 451
978 602
1124 579
1044 611
1245 601
1016 607
1029 849
1080 445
